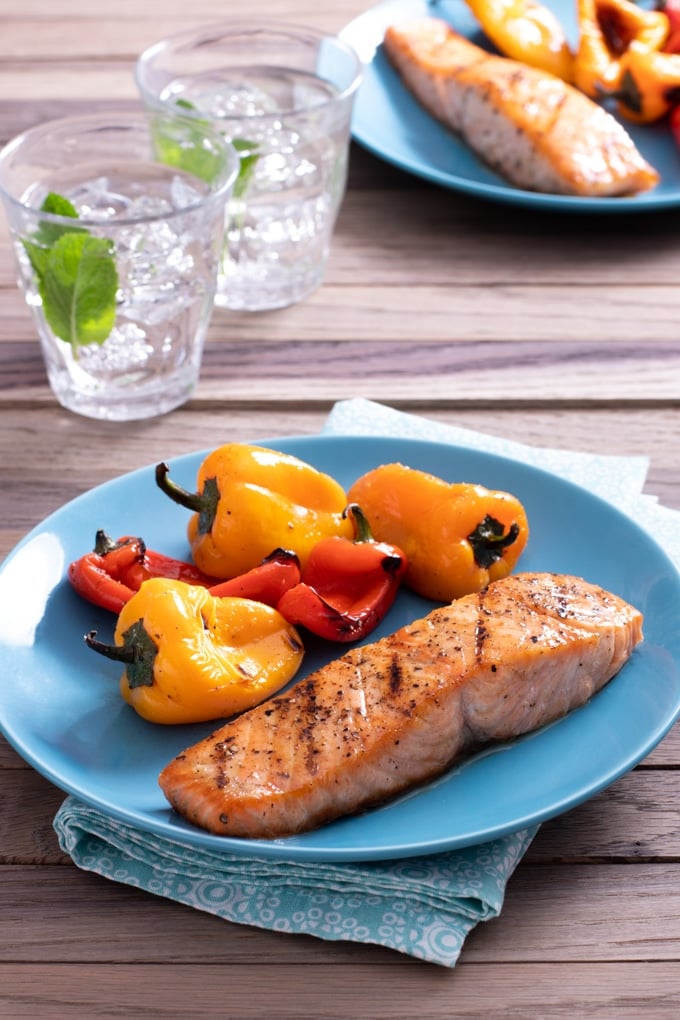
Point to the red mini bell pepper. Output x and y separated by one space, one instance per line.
265 583
111 574
671 9
347 586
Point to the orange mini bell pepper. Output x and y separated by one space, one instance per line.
607 31
457 537
527 31
649 87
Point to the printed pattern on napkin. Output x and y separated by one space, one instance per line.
422 906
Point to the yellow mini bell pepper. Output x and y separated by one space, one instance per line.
457 537
251 500
607 30
190 657
649 86
526 31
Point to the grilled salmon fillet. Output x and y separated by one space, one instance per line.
534 129
392 714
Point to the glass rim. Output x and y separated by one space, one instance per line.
125 119
245 27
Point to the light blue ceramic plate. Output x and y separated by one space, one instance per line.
60 707
389 122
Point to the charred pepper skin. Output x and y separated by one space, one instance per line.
348 585
457 536
189 657
608 30
250 499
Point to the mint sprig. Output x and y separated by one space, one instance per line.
247 152
76 275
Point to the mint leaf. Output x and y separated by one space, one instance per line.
247 167
37 256
78 288
183 145
76 274
48 233
199 168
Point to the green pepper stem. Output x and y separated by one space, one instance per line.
119 653
190 500
138 652
104 544
203 503
362 529
489 539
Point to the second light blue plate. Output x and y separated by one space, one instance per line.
391 123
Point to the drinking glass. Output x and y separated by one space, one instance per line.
283 96
117 224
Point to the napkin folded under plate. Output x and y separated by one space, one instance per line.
424 906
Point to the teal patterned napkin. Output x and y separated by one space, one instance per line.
422 906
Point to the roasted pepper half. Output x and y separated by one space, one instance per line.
190 657
111 574
347 586
526 31
266 582
114 570
649 86
607 30
671 8
251 499
457 537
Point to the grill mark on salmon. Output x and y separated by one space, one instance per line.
535 130
393 714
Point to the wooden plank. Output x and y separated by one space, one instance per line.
634 819
94 452
66 37
516 313
90 13
70 81
259 369
618 991
556 914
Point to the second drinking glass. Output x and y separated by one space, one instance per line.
283 96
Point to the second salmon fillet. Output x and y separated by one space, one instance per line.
389 715
534 129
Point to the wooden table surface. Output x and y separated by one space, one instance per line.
549 329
